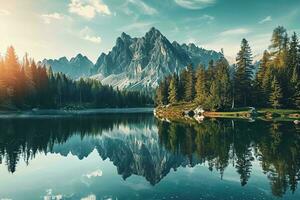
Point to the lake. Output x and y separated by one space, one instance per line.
135 156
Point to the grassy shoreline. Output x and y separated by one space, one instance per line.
176 112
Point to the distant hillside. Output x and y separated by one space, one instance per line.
75 68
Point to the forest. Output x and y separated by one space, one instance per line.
26 85
219 86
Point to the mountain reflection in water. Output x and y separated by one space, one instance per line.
138 144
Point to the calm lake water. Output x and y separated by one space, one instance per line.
135 156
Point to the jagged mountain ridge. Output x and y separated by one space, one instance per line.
76 67
136 63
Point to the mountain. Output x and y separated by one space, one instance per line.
136 63
75 68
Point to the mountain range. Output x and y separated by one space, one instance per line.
76 67
136 63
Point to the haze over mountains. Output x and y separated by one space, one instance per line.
136 63
76 67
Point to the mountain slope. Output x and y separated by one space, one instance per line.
76 67
136 63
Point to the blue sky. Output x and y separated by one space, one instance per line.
55 28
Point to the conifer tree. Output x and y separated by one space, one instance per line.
276 94
293 56
224 83
261 80
296 96
263 67
173 89
243 75
189 87
162 93
213 102
278 46
201 90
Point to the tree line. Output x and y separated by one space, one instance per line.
219 86
26 84
225 143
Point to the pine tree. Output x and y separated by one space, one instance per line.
296 96
173 89
189 89
278 46
213 102
263 67
162 92
224 83
293 56
261 79
243 75
3 93
276 94
201 90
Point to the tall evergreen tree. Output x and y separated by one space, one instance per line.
278 46
243 75
189 89
261 79
224 83
276 94
201 90
296 97
293 56
162 91
173 89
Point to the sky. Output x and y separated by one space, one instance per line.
56 28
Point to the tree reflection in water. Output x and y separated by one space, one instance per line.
219 143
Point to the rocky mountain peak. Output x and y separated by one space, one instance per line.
136 63
78 66
125 36
63 59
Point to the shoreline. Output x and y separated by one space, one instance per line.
185 112
48 113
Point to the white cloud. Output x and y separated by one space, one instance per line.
237 31
94 39
48 18
207 17
145 8
88 8
142 26
195 4
267 19
88 35
4 12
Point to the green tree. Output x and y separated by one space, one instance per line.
213 102
276 94
223 83
201 90
296 97
278 46
162 92
189 87
243 75
173 89
262 81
